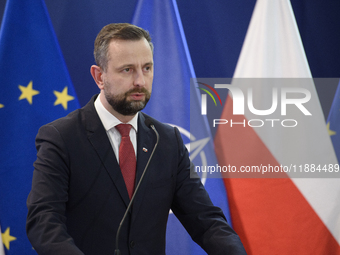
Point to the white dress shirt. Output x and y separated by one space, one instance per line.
109 122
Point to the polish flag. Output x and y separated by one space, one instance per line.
286 215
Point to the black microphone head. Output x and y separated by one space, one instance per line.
148 122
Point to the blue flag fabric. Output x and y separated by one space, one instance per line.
35 89
333 123
170 103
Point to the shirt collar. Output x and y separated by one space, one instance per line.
109 121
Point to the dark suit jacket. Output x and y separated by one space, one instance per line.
78 194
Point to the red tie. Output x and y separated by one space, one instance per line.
127 158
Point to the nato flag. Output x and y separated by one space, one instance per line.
177 102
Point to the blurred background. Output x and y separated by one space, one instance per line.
215 31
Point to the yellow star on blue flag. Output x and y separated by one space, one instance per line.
330 132
28 92
7 238
333 122
62 98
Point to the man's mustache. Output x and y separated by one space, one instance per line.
137 90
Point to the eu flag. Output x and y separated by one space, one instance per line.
35 88
333 123
170 103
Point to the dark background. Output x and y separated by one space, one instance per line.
215 30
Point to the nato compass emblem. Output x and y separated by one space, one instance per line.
195 148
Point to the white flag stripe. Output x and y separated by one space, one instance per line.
268 52
273 48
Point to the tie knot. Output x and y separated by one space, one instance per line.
124 129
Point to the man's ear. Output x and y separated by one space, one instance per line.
97 74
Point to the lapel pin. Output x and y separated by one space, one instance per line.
145 149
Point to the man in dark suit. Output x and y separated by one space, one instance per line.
81 187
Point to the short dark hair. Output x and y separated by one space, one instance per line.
120 31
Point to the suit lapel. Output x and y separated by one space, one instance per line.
97 136
146 140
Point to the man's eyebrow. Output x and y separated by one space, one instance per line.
132 65
149 63
124 66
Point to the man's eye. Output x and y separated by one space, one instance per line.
127 70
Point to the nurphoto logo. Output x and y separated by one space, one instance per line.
281 94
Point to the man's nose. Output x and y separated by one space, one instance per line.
139 79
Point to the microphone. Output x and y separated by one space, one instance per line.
148 123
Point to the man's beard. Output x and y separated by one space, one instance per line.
127 108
